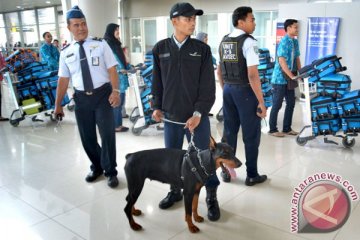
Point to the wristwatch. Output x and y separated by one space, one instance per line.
197 114
116 90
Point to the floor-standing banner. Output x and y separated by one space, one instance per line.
280 32
322 37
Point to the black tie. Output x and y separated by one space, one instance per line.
88 84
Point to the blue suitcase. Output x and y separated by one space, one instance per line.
322 67
326 127
334 85
350 125
349 104
264 55
266 70
266 87
32 68
38 75
323 108
19 60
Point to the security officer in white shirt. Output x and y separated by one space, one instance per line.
243 102
90 64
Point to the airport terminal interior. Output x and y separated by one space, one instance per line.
43 192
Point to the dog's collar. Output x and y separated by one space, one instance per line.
202 165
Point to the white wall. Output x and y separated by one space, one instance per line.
348 46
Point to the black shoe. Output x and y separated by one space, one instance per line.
225 175
170 199
212 204
255 180
92 176
113 182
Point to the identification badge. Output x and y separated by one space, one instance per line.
95 61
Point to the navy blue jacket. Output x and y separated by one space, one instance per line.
183 79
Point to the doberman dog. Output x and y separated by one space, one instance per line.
177 167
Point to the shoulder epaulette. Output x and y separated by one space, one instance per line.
65 46
97 39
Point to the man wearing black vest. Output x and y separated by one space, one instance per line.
243 102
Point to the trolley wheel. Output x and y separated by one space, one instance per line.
348 144
134 115
52 118
136 131
301 141
14 122
71 107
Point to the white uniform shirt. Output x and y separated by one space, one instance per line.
99 56
250 48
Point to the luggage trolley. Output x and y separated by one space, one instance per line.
140 78
329 105
32 87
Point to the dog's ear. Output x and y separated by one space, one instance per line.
212 143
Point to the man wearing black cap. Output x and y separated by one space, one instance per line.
184 91
91 65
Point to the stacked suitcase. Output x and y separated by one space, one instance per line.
265 69
334 107
35 85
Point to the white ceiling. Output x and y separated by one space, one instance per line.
11 5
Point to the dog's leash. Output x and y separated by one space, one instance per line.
170 121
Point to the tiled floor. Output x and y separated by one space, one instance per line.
43 194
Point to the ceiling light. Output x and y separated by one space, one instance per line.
48 2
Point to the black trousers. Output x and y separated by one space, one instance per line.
91 111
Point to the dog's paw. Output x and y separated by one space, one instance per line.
193 229
135 226
136 212
198 218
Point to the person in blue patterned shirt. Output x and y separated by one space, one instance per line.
49 53
287 62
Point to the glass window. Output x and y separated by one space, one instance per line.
150 34
30 36
209 25
3 39
48 28
46 15
2 24
265 31
12 19
170 28
28 17
135 35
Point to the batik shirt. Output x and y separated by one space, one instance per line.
50 54
289 49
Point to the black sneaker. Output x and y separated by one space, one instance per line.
170 199
92 176
113 182
225 175
255 180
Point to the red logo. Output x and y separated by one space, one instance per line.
325 207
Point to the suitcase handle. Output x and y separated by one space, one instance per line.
316 108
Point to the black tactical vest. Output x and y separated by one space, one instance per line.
232 61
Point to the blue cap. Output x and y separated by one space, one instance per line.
74 12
